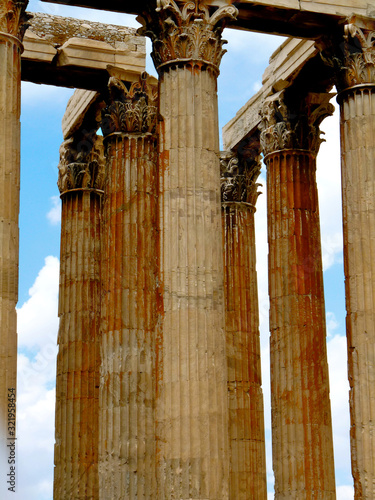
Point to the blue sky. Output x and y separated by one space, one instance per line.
42 111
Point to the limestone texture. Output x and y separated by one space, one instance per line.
301 416
129 300
78 360
191 407
358 184
245 397
302 443
11 31
357 115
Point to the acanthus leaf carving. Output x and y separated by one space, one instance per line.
238 178
293 126
132 110
13 18
81 167
353 60
186 36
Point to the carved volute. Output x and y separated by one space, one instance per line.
13 18
130 110
294 125
359 55
186 36
238 179
353 57
81 164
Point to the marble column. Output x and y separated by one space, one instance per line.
12 26
356 85
130 295
81 180
239 192
192 446
301 417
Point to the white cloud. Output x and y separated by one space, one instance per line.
345 493
262 259
54 214
37 318
35 414
332 323
332 247
257 86
329 190
37 326
338 374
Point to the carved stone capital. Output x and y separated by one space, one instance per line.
352 57
13 18
186 36
131 111
238 179
81 164
289 123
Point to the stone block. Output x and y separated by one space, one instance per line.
37 49
97 54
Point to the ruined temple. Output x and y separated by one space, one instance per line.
158 388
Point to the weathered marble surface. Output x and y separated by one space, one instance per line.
68 52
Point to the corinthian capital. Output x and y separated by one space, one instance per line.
132 110
188 35
352 57
238 178
359 55
293 124
81 163
13 18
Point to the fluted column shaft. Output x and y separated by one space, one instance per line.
78 359
356 84
245 397
301 416
77 381
10 53
11 33
129 317
358 188
191 406
191 393
246 416
302 442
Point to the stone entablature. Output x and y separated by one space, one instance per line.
300 18
57 30
69 52
285 65
79 106
336 7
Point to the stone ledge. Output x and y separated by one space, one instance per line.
72 53
285 64
299 18
57 30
